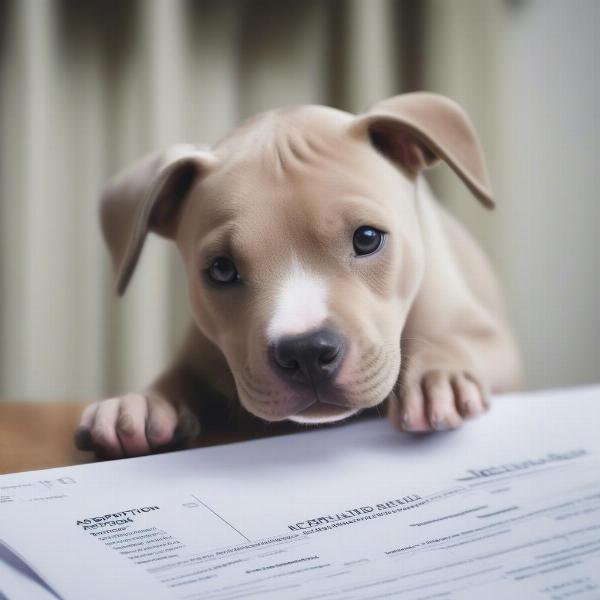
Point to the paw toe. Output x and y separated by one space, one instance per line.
470 401
439 399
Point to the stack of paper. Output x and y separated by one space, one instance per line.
506 507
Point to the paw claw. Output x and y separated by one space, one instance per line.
406 423
83 439
156 432
440 423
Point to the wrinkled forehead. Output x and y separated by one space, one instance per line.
300 148
299 176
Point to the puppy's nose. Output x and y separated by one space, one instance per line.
309 358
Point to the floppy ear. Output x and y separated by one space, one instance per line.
416 130
146 197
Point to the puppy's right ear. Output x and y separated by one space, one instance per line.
417 130
148 196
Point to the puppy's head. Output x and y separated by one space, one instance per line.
301 240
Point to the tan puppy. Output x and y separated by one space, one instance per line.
323 277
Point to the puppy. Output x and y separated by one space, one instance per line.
323 277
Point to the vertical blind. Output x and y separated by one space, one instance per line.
87 87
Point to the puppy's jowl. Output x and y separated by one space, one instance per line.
322 275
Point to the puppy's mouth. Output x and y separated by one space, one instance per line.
350 381
324 403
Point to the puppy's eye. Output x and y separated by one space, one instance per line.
367 240
222 271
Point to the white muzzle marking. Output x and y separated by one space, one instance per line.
300 304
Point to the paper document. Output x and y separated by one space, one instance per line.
506 507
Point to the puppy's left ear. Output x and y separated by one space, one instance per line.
148 196
417 130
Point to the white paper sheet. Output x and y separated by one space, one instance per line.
506 507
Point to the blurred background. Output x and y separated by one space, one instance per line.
88 86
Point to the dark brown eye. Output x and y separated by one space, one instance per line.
367 240
222 271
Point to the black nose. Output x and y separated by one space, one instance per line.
309 358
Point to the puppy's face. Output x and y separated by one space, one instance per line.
303 255
301 241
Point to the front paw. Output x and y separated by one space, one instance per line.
437 399
133 425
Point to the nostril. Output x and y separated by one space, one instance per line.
285 357
291 365
328 356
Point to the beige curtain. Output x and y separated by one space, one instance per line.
86 87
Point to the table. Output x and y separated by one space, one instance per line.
39 435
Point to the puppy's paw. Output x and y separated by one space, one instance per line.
437 400
133 425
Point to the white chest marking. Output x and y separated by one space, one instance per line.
300 304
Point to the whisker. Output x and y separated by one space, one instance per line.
418 341
377 384
374 372
370 351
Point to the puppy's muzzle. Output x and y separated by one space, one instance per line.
309 359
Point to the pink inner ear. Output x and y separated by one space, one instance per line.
163 217
403 149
